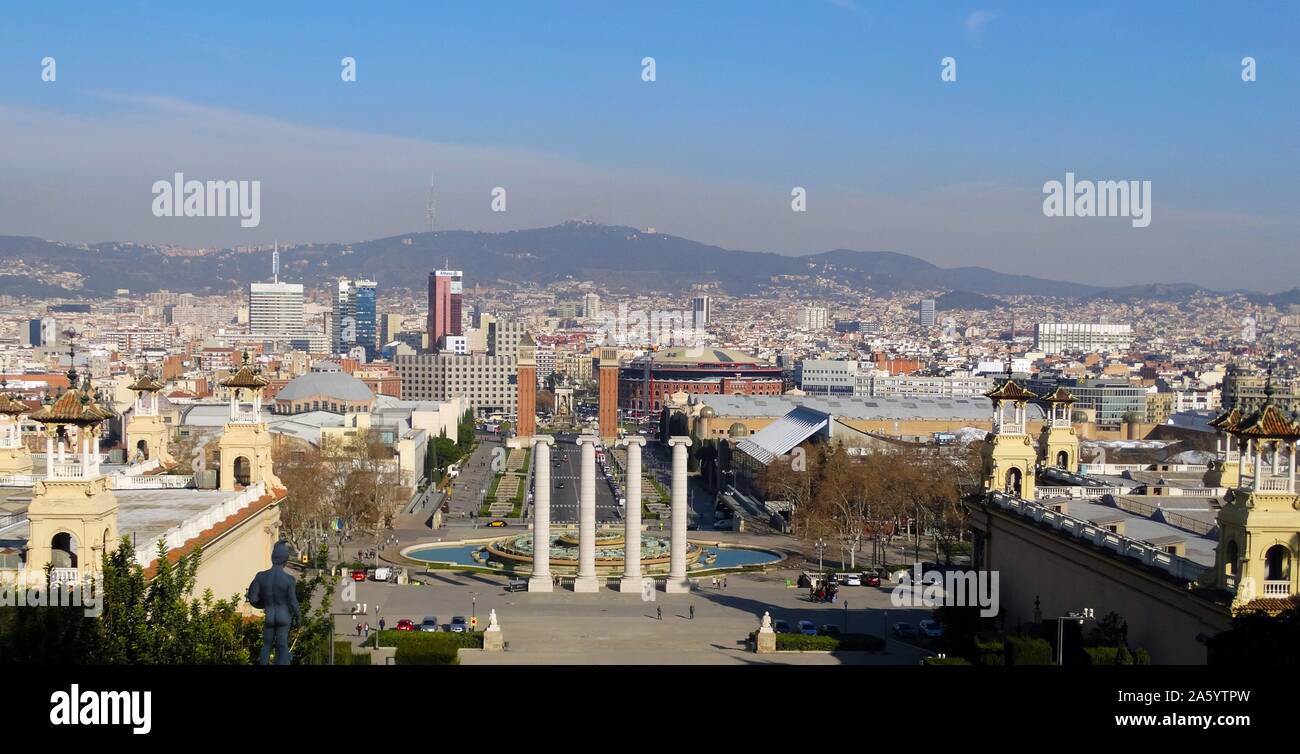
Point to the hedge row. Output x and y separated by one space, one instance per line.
841 643
399 639
343 655
945 661
1026 650
1117 656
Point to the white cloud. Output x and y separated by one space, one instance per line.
974 25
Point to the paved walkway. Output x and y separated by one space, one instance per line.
613 628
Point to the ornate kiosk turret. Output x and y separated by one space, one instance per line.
1058 443
1225 469
146 432
245 443
73 513
1259 526
1010 457
14 456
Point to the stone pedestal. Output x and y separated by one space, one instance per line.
632 580
677 582
765 639
586 580
541 580
493 641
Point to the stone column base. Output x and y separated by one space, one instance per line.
766 643
677 586
541 584
494 641
586 584
628 585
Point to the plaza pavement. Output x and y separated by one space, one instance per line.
609 628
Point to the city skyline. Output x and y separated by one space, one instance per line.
891 157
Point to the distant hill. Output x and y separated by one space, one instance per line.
611 255
966 300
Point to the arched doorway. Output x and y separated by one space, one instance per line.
63 550
243 471
142 450
1014 479
1277 564
1230 554
1063 459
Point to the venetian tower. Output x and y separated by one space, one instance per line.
1057 443
1010 457
1259 526
14 456
526 379
245 443
73 513
146 432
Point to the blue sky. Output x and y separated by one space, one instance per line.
751 98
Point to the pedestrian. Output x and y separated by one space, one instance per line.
715 582
659 612
692 612
724 582
381 624
358 630
366 630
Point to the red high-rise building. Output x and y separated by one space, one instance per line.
444 307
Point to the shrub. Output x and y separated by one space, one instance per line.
1104 656
1141 657
1026 650
842 643
399 639
426 654
992 652
936 660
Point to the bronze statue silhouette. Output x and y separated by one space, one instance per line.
273 591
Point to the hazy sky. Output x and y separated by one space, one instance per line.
546 99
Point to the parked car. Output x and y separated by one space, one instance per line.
517 585
872 578
497 524
359 575
559 485
383 573
781 627
459 624
807 628
429 624
405 624
852 579
905 630
829 629
722 524
931 628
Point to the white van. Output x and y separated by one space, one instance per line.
383 573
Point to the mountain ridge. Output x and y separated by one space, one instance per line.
610 254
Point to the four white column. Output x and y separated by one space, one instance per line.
677 581
632 580
586 580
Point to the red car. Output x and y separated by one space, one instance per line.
405 624
871 578
358 575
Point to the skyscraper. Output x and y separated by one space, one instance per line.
927 312
275 310
701 307
355 317
444 307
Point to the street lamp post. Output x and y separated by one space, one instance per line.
1077 616
846 616
821 548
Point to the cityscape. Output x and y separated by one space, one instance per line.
531 417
